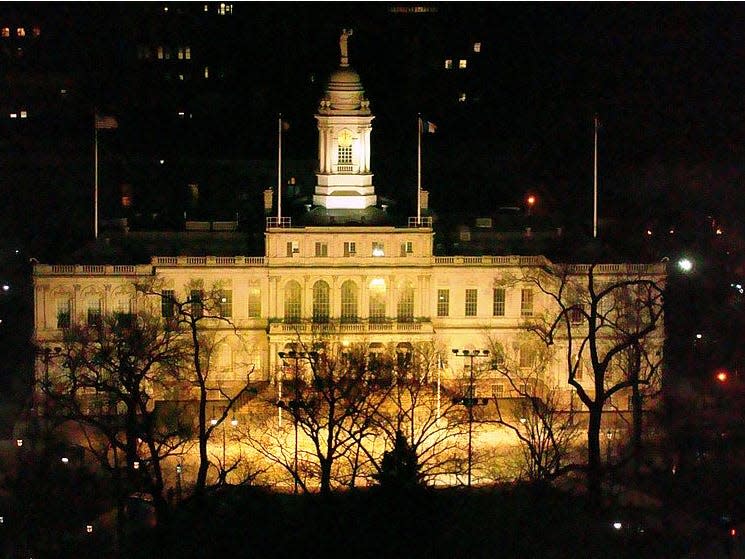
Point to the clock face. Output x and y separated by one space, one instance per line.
345 138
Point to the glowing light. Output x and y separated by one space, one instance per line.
213 421
699 336
531 200
89 528
685 264
377 283
722 376
6 287
719 231
649 232
617 525
65 460
19 442
377 251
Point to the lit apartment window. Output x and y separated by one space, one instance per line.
378 249
292 248
293 300
13 115
160 53
405 310
526 302
168 303
206 8
225 302
477 47
187 53
225 9
350 248
449 64
63 313
322 249
377 303
471 301
462 97
443 302
349 299
24 114
321 304
345 155
499 294
180 53
21 32
254 302
407 247
463 63
206 72
5 33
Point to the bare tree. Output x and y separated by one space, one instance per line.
594 315
104 380
201 318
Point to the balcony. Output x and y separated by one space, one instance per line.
335 327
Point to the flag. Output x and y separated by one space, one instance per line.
106 122
429 127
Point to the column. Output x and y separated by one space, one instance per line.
321 150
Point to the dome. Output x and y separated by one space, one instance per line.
344 93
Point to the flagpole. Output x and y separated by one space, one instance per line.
595 185
419 170
279 170
95 178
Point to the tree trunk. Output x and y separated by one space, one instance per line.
594 465
637 419
325 477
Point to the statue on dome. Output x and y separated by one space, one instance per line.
345 34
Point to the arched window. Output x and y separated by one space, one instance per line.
320 302
349 299
377 300
405 310
293 302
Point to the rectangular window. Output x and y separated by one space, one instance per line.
350 248
462 63
168 303
160 53
225 302
63 313
292 248
6 32
407 247
94 312
527 357
443 302
378 249
477 47
322 249
254 302
497 390
471 301
187 53
526 302
196 299
499 294
345 155
449 64
576 314
180 53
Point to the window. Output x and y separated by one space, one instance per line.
407 247
293 300
471 301
462 97
443 302
462 63
320 302
292 248
37 31
180 53
349 300
345 155
526 302
206 72
94 312
497 390
322 249
527 357
254 302
449 64
187 53
576 314
350 248
378 249
21 32
499 294
160 53
225 9
377 301
405 310
477 47
196 298
225 303
168 303
63 313
5 32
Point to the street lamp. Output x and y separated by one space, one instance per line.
470 400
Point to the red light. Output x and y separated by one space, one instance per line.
733 532
722 376
531 199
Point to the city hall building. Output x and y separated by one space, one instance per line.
336 271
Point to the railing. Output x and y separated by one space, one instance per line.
184 261
336 327
91 270
274 222
491 260
424 221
